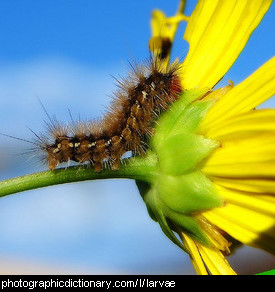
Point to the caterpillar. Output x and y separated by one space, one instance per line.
140 98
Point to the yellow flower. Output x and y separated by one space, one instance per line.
242 167
209 175
163 32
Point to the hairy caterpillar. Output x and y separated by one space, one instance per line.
126 126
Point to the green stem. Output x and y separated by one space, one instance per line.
135 168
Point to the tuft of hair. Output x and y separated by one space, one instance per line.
128 124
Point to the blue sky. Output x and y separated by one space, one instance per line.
65 52
94 33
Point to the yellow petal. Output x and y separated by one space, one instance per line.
239 170
249 219
206 259
194 254
261 203
215 261
250 124
251 157
253 185
244 97
163 32
219 93
157 21
164 26
217 33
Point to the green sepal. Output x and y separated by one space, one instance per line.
146 191
188 193
169 119
182 152
177 189
190 226
190 119
168 219
155 210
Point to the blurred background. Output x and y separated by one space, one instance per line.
65 52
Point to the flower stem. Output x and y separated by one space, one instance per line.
134 168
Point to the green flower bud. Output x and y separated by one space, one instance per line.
177 189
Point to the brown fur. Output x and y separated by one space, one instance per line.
126 125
